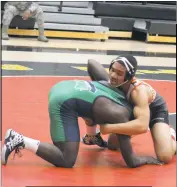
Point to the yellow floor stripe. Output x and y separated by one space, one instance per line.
62 34
158 71
119 34
161 39
15 67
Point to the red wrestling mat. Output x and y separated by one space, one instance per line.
24 105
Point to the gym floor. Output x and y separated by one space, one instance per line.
30 68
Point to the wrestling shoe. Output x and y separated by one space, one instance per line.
94 140
13 141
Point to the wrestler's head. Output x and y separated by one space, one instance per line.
122 70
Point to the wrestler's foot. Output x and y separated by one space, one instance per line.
94 140
13 141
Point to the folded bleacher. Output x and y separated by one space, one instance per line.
156 19
72 20
102 20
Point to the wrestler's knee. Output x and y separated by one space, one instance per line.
66 164
91 62
70 160
70 164
69 154
165 157
162 141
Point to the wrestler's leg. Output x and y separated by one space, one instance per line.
96 72
164 137
108 112
61 154
164 141
65 136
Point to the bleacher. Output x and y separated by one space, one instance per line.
71 20
103 20
74 16
157 20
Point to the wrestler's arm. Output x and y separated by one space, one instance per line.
113 113
129 156
141 113
96 71
122 115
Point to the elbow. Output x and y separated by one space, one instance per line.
142 128
143 124
90 63
90 68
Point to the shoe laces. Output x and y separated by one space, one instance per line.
17 152
15 141
96 139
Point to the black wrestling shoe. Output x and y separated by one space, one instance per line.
94 140
13 141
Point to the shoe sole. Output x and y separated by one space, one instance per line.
4 162
3 155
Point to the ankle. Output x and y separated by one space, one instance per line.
31 144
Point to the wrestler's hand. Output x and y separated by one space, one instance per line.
26 14
153 161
